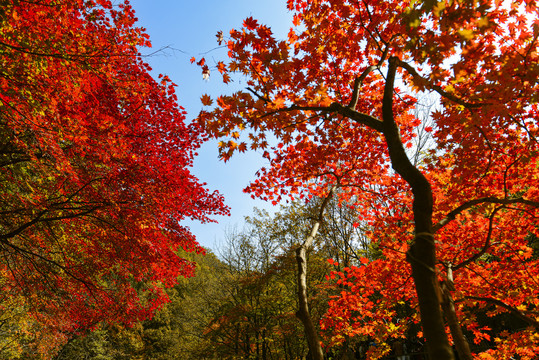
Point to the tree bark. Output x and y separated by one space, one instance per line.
313 340
422 253
462 346
303 314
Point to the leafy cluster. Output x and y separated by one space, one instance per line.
340 96
94 180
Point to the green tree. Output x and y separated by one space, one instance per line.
175 332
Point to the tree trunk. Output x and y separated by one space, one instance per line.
448 305
422 253
264 346
303 312
313 340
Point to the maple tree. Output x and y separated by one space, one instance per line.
339 95
94 157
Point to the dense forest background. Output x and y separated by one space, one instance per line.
242 302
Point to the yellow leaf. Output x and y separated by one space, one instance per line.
467 34
438 8
415 23
483 22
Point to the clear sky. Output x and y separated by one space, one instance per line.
187 28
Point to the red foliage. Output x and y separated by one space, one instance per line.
325 95
94 160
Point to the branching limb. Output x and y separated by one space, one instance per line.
423 249
448 305
529 320
359 80
32 255
485 246
23 227
40 217
308 242
492 200
437 88
263 98
362 118
365 119
399 159
301 259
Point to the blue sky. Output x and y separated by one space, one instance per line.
187 28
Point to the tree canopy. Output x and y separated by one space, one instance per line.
340 95
95 160
405 133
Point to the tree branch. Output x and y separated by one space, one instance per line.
23 227
437 88
422 252
30 254
399 160
468 204
511 309
359 80
364 119
485 246
303 307
263 98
